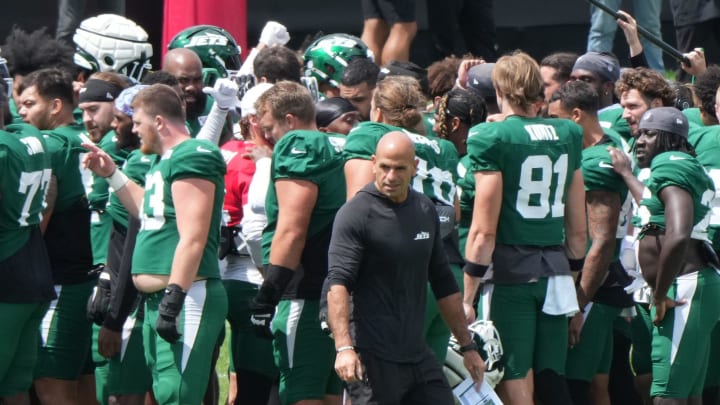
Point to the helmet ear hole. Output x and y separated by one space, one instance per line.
108 60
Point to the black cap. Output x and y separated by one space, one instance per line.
602 64
397 68
668 119
480 79
330 109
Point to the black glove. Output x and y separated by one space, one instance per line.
98 303
169 309
262 307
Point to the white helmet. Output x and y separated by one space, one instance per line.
488 340
110 42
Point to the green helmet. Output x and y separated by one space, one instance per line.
326 58
217 49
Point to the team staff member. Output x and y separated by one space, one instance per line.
528 221
26 286
307 188
185 303
64 371
673 245
373 254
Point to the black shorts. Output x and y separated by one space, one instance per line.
392 11
25 276
395 383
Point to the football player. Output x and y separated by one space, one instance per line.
674 253
46 102
529 223
26 285
600 290
307 188
185 303
328 56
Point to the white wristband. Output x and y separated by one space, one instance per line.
117 180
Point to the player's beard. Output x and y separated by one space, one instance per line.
193 110
150 143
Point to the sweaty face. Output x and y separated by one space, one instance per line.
34 109
273 129
144 127
646 147
97 117
550 85
123 126
359 96
191 82
634 106
393 173
344 123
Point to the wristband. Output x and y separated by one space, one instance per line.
576 264
474 269
468 347
276 279
344 348
117 180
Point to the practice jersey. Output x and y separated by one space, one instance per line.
681 170
599 175
194 125
537 158
315 157
135 167
158 236
611 117
706 142
25 172
240 171
64 143
466 196
693 115
437 158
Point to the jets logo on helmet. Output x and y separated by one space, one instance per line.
487 339
326 58
110 42
217 49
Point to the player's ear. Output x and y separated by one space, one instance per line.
455 124
576 114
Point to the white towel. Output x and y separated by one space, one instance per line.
560 298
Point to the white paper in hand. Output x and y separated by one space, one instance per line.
466 394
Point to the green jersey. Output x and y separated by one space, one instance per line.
25 172
599 175
428 119
158 236
693 116
538 158
196 124
681 170
611 118
64 144
135 167
466 195
315 157
706 141
437 158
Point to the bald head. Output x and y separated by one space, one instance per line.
186 66
394 165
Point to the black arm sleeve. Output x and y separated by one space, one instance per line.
639 60
440 275
346 247
123 294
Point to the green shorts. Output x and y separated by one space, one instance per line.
593 354
180 371
641 330
304 354
712 376
531 339
18 345
247 350
100 229
681 344
66 334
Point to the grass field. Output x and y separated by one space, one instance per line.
222 365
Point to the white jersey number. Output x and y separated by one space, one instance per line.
536 190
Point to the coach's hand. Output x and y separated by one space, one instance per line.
347 364
168 311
